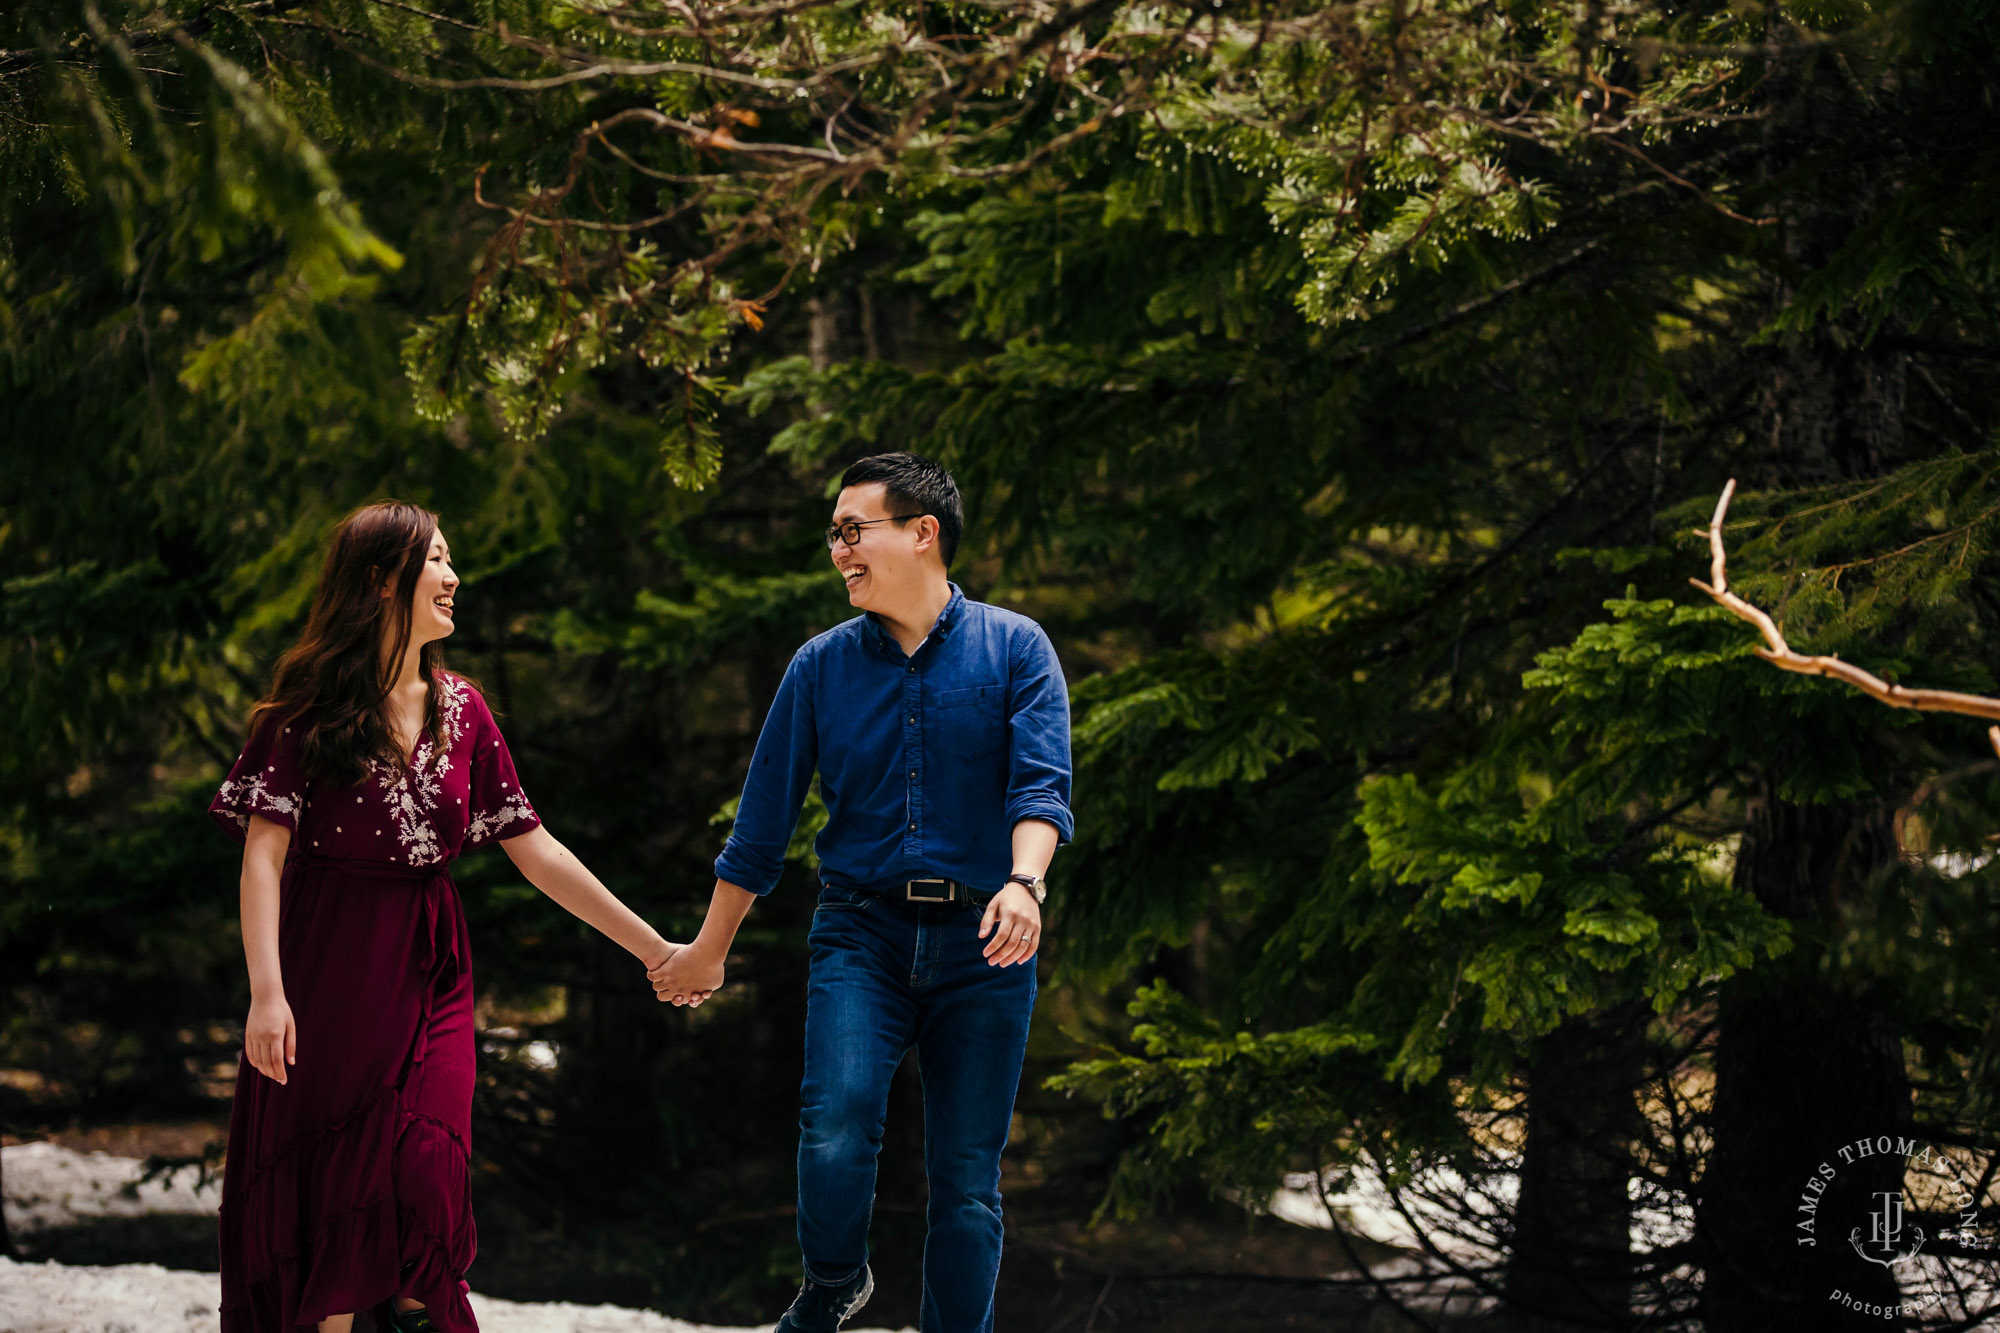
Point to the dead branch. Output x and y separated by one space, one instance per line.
1783 656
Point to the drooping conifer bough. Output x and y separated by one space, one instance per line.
1783 656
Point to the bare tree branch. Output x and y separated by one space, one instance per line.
1783 656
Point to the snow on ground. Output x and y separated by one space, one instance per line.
49 1186
145 1298
1366 1208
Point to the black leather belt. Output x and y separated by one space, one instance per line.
930 891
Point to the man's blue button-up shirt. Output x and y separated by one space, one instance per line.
925 762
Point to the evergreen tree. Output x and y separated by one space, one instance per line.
1320 372
1341 541
207 281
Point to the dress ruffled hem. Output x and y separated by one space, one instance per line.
379 1254
439 1239
311 1249
347 1265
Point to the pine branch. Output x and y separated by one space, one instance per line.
1783 656
1521 285
1687 184
30 58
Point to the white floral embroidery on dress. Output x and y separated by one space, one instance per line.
414 793
483 825
452 695
240 800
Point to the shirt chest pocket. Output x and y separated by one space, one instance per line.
968 724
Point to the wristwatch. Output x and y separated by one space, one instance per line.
1034 884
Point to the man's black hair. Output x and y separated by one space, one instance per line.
915 485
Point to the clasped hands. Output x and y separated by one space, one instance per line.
687 975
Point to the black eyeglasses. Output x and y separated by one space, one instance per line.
851 532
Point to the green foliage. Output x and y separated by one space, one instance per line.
1319 384
1245 1107
725 610
1553 924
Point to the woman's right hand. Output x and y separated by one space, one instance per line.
270 1040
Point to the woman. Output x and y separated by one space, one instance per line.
367 770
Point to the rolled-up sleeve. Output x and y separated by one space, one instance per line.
780 772
1038 769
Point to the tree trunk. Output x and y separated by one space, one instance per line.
1571 1259
6 1237
1806 1062
1831 402
822 330
1803 1070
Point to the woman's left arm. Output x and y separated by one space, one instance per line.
554 869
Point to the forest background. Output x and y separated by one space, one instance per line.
1343 387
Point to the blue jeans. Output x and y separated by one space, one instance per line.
887 975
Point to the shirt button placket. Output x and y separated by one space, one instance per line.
913 746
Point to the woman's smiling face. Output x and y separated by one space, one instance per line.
431 613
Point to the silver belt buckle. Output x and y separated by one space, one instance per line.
911 895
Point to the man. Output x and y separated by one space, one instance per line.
940 731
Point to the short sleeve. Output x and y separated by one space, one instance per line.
267 780
497 807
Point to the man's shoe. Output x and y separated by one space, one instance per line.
824 1309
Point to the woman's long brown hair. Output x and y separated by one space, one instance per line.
336 677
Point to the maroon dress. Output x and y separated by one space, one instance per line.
348 1184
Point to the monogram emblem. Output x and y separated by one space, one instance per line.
1885 1233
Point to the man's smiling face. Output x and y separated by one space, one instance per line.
883 568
